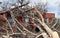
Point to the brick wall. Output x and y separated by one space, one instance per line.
49 15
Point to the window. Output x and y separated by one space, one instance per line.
46 20
26 20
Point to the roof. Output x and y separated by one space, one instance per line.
49 15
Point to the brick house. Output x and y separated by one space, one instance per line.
48 17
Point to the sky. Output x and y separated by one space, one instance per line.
52 5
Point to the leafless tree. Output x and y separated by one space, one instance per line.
49 33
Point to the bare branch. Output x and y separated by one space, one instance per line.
55 24
22 25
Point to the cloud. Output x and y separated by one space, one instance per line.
3 0
52 7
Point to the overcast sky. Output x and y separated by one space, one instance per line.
52 6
